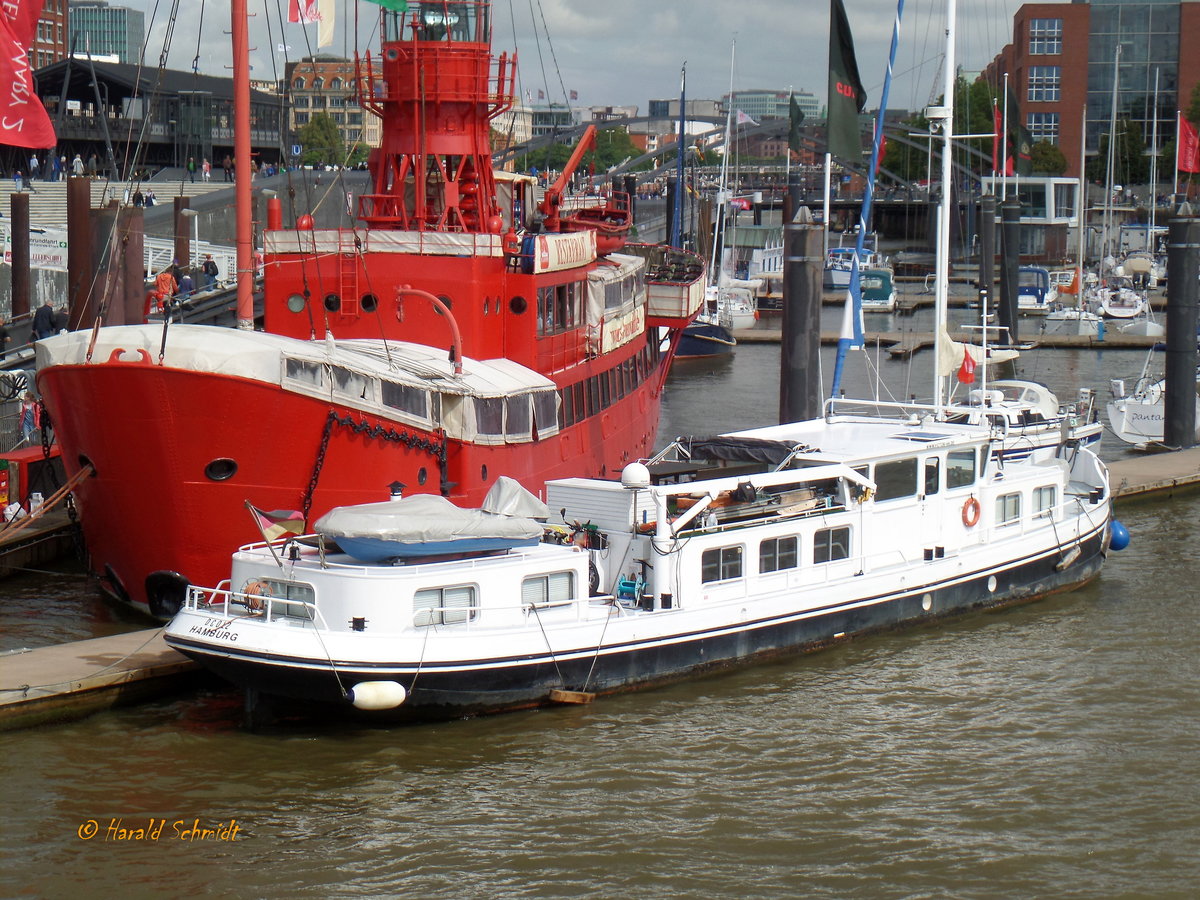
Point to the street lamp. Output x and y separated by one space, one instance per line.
194 215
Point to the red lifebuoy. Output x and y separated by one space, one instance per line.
970 512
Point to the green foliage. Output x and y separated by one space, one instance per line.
909 162
322 141
1192 113
1048 159
613 146
1130 164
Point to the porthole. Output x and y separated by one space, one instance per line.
295 303
449 303
422 475
483 472
927 602
518 305
393 53
369 303
221 469
333 302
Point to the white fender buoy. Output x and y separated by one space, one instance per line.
377 695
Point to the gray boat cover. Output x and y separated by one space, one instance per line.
508 498
423 518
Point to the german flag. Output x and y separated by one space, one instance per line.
278 522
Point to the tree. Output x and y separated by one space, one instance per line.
322 141
1192 113
1130 163
1048 159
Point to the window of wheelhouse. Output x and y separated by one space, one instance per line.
545 412
896 479
1044 498
405 398
350 384
518 417
556 587
932 475
559 307
489 415
960 468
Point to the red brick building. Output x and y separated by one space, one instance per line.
1061 59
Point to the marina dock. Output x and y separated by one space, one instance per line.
905 343
70 681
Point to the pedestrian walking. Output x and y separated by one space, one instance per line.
30 416
227 165
210 272
77 165
191 169
43 321
93 166
206 169
35 166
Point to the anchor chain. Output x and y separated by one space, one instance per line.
434 447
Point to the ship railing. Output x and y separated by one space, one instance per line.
253 602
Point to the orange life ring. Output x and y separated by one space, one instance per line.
970 512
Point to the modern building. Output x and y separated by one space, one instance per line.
761 105
100 29
1062 59
325 84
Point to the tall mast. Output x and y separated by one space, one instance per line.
244 239
942 277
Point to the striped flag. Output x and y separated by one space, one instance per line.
276 523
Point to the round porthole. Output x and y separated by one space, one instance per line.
295 303
221 469
449 303
393 54
333 302
422 475
518 305
369 303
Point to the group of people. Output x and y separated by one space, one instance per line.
174 282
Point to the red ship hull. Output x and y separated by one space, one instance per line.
152 503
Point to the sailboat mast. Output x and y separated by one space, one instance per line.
1153 166
1083 204
942 278
1111 161
241 158
722 201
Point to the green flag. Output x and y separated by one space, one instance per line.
795 117
846 95
1019 139
393 5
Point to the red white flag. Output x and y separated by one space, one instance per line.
966 372
997 137
23 119
303 11
1188 154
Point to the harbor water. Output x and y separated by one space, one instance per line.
1047 750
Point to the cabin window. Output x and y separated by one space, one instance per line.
406 398
830 544
1044 498
350 384
305 372
721 564
1008 508
489 415
933 467
896 479
568 407
960 468
777 554
557 587
517 418
444 605
288 599
545 411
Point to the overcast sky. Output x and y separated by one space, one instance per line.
626 52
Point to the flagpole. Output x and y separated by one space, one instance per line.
676 236
1083 204
1153 166
1178 136
943 223
1004 146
